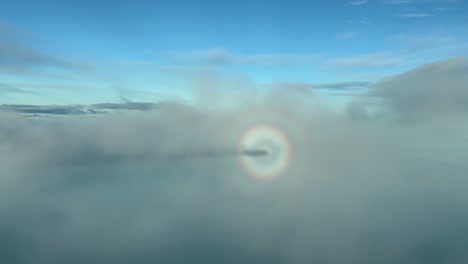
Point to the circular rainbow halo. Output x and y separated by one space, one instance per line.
274 143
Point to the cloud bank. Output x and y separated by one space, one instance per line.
356 190
437 88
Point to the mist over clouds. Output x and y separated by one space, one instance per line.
167 185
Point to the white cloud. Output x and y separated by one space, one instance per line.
415 15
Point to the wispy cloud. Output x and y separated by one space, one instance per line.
358 3
414 50
443 8
415 15
221 56
7 89
362 21
373 60
402 2
399 2
346 35
19 57
427 39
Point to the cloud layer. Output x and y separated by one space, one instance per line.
429 90
157 187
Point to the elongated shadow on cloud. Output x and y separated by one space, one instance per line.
377 191
90 156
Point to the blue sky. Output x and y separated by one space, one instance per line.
73 52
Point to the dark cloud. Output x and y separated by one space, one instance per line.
78 109
98 190
341 85
126 106
46 109
307 87
255 152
